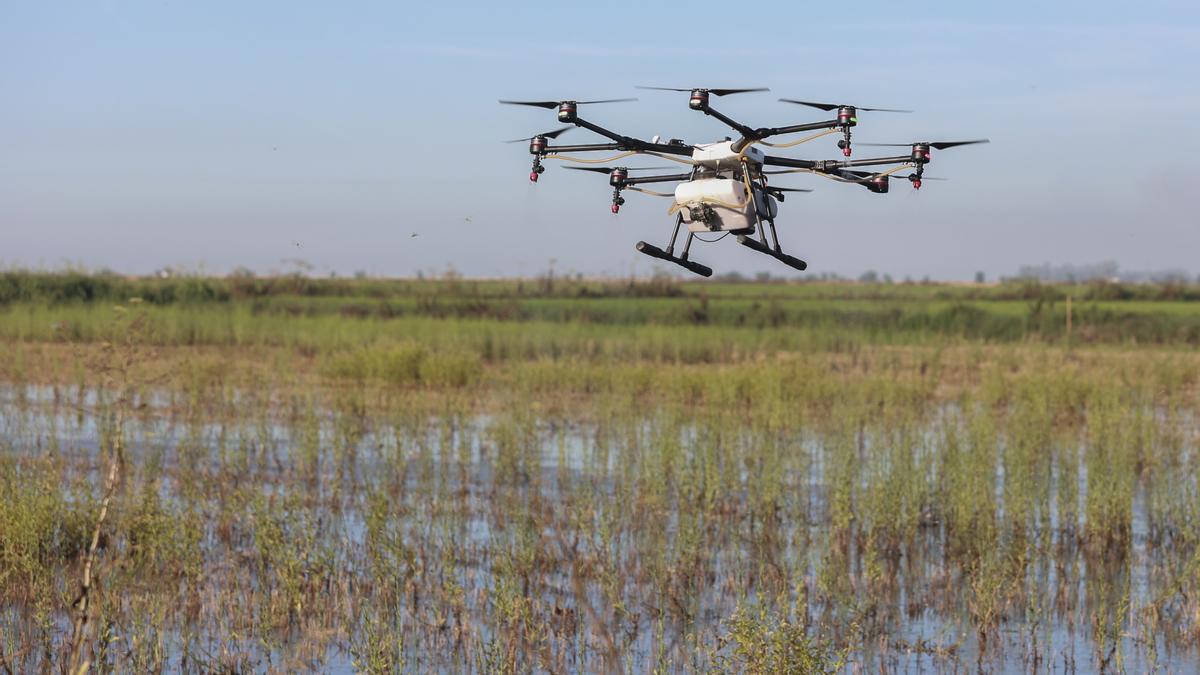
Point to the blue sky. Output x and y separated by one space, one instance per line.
215 135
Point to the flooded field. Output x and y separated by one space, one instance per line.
287 532
402 506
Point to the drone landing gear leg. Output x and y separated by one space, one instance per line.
776 251
669 254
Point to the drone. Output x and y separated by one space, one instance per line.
722 187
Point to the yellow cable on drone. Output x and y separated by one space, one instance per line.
582 160
673 158
746 182
795 143
650 192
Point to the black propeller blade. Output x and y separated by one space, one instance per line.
554 104
715 92
538 104
610 169
936 145
835 106
865 177
772 188
846 174
852 175
548 134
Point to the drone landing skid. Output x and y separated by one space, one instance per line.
789 260
656 252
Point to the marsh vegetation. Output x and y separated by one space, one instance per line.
580 476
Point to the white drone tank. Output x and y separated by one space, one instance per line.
715 205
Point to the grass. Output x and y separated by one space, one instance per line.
609 476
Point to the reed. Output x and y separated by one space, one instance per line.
432 491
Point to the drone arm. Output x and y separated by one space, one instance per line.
771 160
767 132
832 165
902 159
582 148
629 143
733 124
657 179
622 141
795 128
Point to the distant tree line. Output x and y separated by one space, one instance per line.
1107 270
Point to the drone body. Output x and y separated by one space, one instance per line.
723 187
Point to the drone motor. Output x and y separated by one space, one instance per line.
921 154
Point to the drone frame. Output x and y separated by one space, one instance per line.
750 175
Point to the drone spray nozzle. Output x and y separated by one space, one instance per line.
537 168
617 201
847 117
915 177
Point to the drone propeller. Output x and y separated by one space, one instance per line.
835 106
714 92
610 169
545 134
861 176
550 105
936 145
847 117
772 188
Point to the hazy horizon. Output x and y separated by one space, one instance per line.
138 136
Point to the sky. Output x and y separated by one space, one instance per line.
221 135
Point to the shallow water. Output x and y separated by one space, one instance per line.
472 497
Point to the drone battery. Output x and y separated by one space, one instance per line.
715 204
